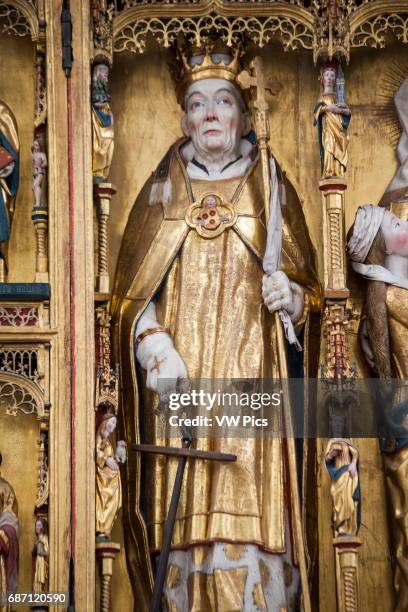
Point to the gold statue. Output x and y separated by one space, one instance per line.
378 248
40 556
9 179
8 537
189 301
332 117
108 484
341 459
102 124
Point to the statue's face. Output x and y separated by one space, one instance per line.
215 119
101 73
395 233
329 78
39 528
110 425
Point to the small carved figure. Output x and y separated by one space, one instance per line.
40 557
341 459
108 484
102 124
8 537
39 161
332 117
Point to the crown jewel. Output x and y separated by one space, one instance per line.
215 61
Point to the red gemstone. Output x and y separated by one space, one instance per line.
212 212
205 216
212 221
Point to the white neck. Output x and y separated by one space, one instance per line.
215 163
397 264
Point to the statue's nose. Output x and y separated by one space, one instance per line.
211 114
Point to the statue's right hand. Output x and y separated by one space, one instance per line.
162 362
164 375
7 170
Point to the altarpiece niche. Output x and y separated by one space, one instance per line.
176 182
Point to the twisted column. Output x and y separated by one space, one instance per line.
346 548
40 220
106 552
103 193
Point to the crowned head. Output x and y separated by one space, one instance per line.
214 60
215 114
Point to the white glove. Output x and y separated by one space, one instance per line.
157 355
7 170
279 293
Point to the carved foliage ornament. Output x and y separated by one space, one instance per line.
16 398
259 30
329 27
20 17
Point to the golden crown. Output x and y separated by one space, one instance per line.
212 62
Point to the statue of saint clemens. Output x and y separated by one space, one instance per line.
191 300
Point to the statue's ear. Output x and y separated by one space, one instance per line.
184 125
246 122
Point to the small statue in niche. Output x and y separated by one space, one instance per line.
378 248
108 483
39 161
9 179
40 557
8 537
341 459
332 117
102 124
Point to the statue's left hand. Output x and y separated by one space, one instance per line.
7 170
279 293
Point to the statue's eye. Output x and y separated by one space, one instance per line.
196 104
224 100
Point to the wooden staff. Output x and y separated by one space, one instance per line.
257 81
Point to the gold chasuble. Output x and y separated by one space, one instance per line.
208 293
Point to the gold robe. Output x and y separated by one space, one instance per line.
209 293
333 138
102 146
396 464
8 127
40 584
108 487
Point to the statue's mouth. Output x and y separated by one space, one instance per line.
212 132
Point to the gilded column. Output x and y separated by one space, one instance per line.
332 118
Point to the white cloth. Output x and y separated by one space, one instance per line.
234 170
366 225
273 251
273 575
379 273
